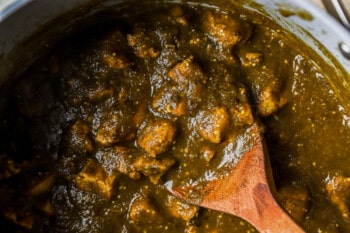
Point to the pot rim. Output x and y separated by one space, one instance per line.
8 7
322 27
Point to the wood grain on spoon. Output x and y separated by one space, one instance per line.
245 192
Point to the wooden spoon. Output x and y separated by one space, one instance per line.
245 192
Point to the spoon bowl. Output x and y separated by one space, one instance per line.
246 192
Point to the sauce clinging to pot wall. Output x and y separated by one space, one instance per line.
91 133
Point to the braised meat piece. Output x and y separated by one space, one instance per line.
170 100
117 160
180 209
94 179
113 50
153 168
25 218
189 79
178 15
42 186
185 72
117 61
241 114
212 124
222 29
142 212
8 168
142 43
268 102
78 138
116 125
45 206
269 95
157 136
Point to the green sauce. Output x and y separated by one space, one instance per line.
93 132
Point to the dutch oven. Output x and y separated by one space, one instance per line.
28 29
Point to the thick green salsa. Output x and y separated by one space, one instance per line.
92 132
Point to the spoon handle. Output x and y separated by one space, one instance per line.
268 216
265 213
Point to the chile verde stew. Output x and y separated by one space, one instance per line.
91 133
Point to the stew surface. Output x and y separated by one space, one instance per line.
92 133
